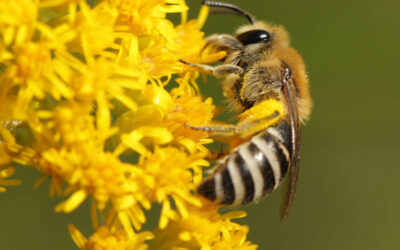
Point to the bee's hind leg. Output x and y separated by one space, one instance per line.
217 71
220 130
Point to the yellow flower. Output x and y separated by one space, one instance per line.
105 238
94 97
203 228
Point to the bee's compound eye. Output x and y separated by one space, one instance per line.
254 36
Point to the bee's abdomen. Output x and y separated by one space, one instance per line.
252 171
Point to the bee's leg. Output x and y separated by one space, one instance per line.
250 127
244 128
223 42
220 130
228 43
217 71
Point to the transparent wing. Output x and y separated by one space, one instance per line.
289 92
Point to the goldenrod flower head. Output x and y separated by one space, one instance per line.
83 100
203 228
104 238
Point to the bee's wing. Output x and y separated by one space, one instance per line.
290 95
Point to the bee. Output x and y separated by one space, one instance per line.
265 82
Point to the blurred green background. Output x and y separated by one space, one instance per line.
348 194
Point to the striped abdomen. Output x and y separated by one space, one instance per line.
253 170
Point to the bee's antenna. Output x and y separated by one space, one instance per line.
221 7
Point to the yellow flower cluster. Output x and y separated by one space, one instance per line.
83 101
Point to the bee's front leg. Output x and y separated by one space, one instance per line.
217 71
223 42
